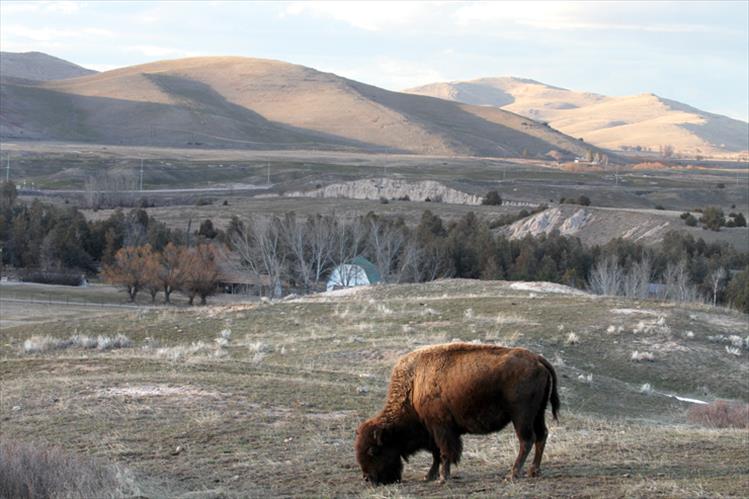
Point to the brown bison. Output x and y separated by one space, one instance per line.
441 392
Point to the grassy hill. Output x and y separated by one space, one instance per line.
38 66
262 104
264 398
645 120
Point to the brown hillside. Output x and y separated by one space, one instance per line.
243 102
645 120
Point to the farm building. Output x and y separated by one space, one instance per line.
358 272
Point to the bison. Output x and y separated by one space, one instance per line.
441 392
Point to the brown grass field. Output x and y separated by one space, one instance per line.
262 399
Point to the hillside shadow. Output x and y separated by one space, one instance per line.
200 118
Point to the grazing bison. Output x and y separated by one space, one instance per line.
441 392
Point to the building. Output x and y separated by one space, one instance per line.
358 272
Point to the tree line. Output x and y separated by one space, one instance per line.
296 254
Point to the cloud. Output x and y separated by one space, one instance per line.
52 34
369 16
40 7
391 73
160 51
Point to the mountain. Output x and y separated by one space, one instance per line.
257 103
37 66
644 121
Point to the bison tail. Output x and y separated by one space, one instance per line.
554 398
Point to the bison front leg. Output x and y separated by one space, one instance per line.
434 470
450 448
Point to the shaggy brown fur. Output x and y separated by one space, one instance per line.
441 392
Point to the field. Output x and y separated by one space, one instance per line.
262 399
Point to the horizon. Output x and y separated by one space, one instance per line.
574 45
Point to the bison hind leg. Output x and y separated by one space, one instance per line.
526 437
541 432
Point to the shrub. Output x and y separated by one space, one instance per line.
492 198
43 344
720 414
713 218
690 220
59 278
35 471
384 200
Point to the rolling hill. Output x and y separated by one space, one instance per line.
646 121
262 104
37 66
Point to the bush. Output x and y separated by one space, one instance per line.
59 278
36 471
492 198
384 200
43 344
720 414
713 218
689 219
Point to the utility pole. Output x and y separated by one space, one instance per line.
7 170
141 174
616 175
268 172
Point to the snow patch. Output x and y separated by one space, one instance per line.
546 287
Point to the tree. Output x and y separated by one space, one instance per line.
636 282
606 277
667 150
737 291
261 250
127 269
201 271
206 229
716 278
151 267
171 269
8 196
739 220
713 218
492 198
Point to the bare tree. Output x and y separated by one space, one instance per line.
386 240
296 238
678 287
349 239
320 231
261 250
716 277
637 281
606 277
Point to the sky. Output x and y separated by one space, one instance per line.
693 52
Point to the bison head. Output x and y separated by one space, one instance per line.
380 462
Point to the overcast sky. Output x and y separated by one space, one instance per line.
693 52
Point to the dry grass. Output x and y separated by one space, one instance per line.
270 408
35 471
720 414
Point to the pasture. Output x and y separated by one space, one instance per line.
263 399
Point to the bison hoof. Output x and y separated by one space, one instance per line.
430 477
534 473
